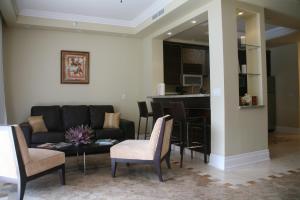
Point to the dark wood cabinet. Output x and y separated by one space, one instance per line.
172 64
182 59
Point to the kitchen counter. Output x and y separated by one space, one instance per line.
179 96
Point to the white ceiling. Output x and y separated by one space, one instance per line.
129 13
199 32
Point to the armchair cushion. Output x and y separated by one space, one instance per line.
75 116
97 114
51 116
22 145
132 149
54 136
42 160
155 134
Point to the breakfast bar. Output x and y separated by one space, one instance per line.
195 105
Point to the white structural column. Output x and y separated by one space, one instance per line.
238 136
3 119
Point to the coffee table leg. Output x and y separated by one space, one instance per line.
77 156
84 163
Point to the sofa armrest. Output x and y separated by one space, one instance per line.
128 128
27 130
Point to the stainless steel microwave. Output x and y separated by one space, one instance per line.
192 80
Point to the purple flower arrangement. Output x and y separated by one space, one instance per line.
79 135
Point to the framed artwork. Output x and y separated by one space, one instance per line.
74 67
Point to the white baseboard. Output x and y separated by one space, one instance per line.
286 129
227 162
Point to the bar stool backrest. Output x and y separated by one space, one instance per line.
143 109
157 110
178 111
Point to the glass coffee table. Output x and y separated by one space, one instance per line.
85 149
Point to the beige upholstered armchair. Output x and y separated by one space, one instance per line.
152 151
20 164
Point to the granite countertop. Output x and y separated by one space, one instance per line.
179 96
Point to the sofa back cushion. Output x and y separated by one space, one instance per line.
51 116
75 115
97 115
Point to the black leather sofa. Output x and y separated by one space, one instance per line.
59 119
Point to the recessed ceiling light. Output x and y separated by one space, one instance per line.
194 21
240 13
169 33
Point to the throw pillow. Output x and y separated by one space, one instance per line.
111 120
37 123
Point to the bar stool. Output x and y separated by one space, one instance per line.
178 113
157 111
143 114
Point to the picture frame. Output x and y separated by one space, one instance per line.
75 67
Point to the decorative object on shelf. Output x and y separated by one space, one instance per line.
246 100
74 67
244 69
254 100
79 135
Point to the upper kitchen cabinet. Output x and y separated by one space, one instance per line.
172 63
193 61
180 59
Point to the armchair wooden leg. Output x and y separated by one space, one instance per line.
146 129
21 189
158 170
62 175
113 168
138 133
168 160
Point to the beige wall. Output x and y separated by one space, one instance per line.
284 61
2 93
32 71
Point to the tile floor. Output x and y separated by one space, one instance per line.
275 179
285 159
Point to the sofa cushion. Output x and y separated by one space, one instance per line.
37 123
51 116
75 115
109 133
97 114
22 145
42 160
42 137
112 120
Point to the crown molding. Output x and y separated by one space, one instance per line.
74 18
146 14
